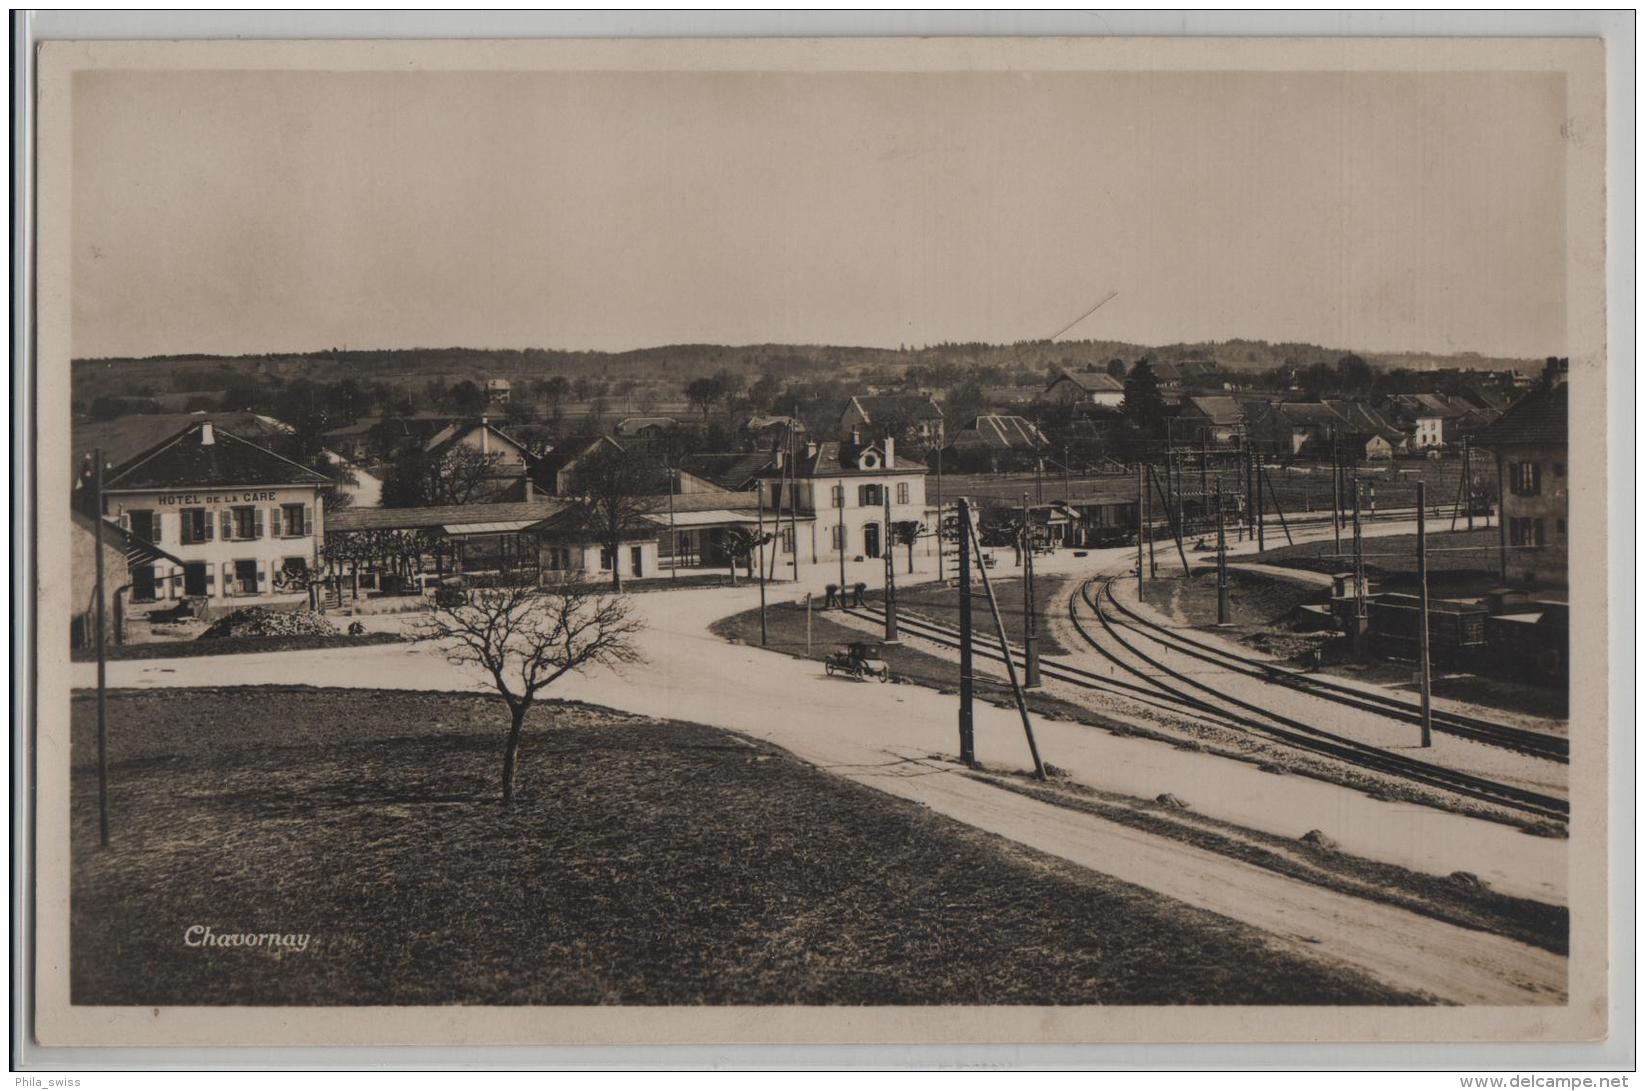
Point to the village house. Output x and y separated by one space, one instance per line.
236 520
917 416
1086 388
552 473
1215 419
994 440
498 392
844 487
1530 444
123 552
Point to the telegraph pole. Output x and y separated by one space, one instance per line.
1422 582
1336 498
842 541
102 666
968 749
940 577
673 539
1256 474
1222 562
1141 489
794 500
1148 505
890 574
1359 571
1030 639
759 507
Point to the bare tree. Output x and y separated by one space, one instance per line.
613 489
459 475
527 637
908 532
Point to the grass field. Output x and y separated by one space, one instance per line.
644 863
1459 562
231 645
942 604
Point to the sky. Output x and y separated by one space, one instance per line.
237 212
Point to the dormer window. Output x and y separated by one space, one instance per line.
870 460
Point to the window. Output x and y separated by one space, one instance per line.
245 577
777 494
290 576
868 496
291 520
608 557
145 524
787 536
248 524
1525 478
836 537
902 492
197 526
1526 532
838 496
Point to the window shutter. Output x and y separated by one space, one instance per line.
308 519
227 518
1536 481
274 516
257 525
228 578
154 527
262 576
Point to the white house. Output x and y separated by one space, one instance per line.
1086 388
843 488
238 520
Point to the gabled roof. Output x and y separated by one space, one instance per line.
825 461
1540 418
126 437
630 425
136 550
455 432
1001 432
565 455
1092 382
185 460
730 470
1216 408
359 519
916 406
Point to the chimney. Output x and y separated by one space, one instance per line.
779 462
891 452
856 438
207 436
485 436
810 449
530 493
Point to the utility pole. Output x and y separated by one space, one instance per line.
1222 562
759 507
1468 478
1148 502
102 665
940 550
1030 639
673 539
841 487
1359 572
794 501
968 748
1010 665
1336 499
890 573
1256 474
1422 582
1141 490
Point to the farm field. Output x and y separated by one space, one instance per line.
644 862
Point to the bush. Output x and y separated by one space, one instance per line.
261 621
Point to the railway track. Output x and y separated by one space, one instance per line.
1536 743
982 649
1293 732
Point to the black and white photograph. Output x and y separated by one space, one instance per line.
822 541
